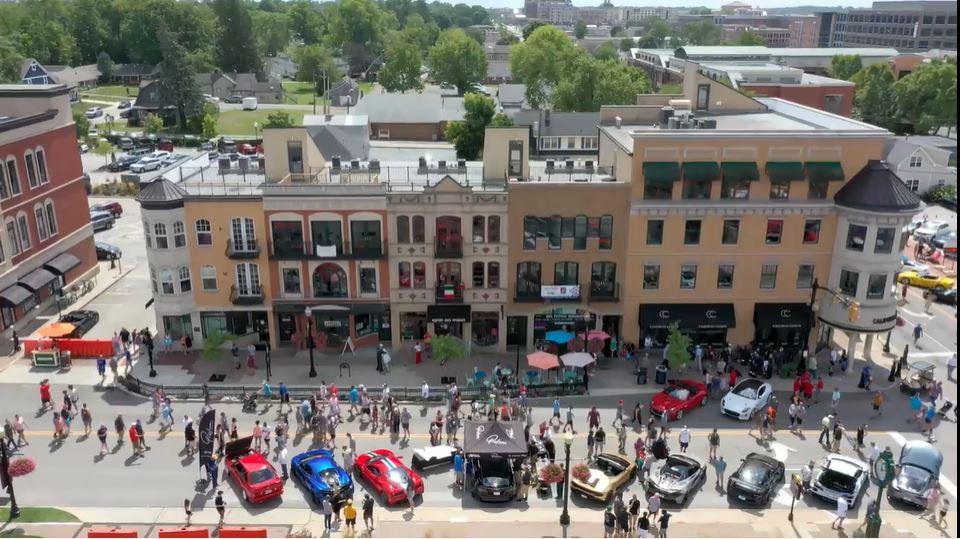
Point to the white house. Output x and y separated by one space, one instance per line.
923 162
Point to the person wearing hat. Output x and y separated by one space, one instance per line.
221 507
350 516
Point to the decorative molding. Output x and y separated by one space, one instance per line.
693 208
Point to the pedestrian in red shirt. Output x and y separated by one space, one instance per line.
45 400
134 440
797 383
733 377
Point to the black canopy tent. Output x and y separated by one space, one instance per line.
494 438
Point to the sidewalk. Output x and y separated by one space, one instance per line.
515 521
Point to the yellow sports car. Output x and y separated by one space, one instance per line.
609 474
926 280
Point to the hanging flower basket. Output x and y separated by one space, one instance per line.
21 466
580 472
551 473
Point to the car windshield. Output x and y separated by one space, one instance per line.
609 467
754 473
837 481
748 389
262 475
679 469
914 479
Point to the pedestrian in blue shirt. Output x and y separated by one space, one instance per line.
556 412
284 395
458 468
102 369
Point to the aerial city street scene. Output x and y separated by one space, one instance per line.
538 268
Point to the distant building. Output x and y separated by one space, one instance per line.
409 116
74 78
923 162
512 97
280 67
906 26
739 8
908 62
345 93
133 73
804 31
638 14
560 135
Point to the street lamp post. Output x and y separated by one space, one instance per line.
310 343
883 470
565 515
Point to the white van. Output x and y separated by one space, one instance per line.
249 103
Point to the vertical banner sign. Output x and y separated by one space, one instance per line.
207 436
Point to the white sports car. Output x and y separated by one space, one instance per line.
746 398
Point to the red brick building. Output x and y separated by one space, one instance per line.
835 96
47 241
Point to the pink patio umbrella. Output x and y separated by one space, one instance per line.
543 360
597 335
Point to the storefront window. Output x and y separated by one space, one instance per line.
412 326
335 326
485 327
848 282
368 280
651 277
419 275
329 281
876 286
403 274
291 281
177 326
768 276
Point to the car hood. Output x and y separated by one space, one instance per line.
913 480
663 401
669 483
597 482
737 403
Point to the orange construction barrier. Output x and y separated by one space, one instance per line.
242 531
111 532
79 348
193 531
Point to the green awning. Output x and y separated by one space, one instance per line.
740 171
824 171
785 171
701 171
661 171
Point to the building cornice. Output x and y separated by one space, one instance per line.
739 207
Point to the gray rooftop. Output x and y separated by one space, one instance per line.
410 108
513 94
346 136
558 123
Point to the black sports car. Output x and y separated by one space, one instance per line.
757 480
944 296
105 251
83 321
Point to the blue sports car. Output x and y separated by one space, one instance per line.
320 474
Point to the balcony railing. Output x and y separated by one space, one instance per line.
449 248
330 293
296 250
367 249
286 249
607 292
251 295
243 250
449 292
527 296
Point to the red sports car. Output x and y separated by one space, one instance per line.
678 398
383 471
251 471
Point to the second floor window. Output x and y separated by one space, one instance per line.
403 229
243 233
329 281
725 276
603 277
204 232
731 232
916 161
528 278
811 231
479 228
654 231
885 239
179 235
691 232
774 231
493 229
848 282
160 236
856 237
248 279
768 276
651 277
566 273
805 274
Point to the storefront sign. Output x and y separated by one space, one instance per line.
447 314
332 323
885 320
560 292
693 316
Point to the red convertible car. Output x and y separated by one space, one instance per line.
679 397
383 471
251 471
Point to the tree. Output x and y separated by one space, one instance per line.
280 118
236 43
11 61
82 123
750 38
700 11
421 33
606 52
626 44
541 61
273 31
580 30
213 346
104 149
88 24
306 22
507 37
875 100
458 60
44 32
178 84
152 124
943 193
357 21
530 28
617 31
467 134
501 120
446 347
401 68
313 63
209 126
845 66
678 348
927 98
658 32
703 33
590 83
105 65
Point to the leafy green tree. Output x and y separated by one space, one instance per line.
419 32
358 21
943 193
105 65
749 38
178 84
10 61
273 31
541 61
626 44
703 33
401 68
590 83
678 348
701 10
313 63
501 120
507 37
213 346
208 127
658 31
876 100
845 66
104 149
927 98
89 26
82 123
193 25
236 43
281 118
580 30
467 135
44 32
606 52
617 31
152 124
446 347
530 28
306 22
458 60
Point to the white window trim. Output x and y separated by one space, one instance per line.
52 224
24 228
42 178
203 279
39 215
15 179
181 279
554 145
157 235
16 250
197 232
172 281
283 281
30 169
182 234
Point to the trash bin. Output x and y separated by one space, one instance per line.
642 376
661 375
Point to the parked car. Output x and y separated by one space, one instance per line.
942 238
387 476
928 230
679 397
249 149
233 99
253 474
214 100
101 220
113 208
146 164
125 104
917 472
228 145
941 295
206 147
172 159
125 113
841 476
139 152
925 280
912 265
83 147
746 398
493 480
165 144
106 251
678 478
125 143
249 103
159 154
83 321
757 480
321 476
122 163
93 133
609 474
94 112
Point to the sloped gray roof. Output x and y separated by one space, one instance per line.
877 189
161 193
560 123
897 149
512 93
410 108
345 136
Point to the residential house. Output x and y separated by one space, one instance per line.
512 97
560 135
133 73
224 85
923 162
345 93
74 78
279 67
409 116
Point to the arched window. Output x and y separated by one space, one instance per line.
478 274
24 231
493 275
31 169
204 232
12 239
403 272
419 275
179 235
42 232
51 217
183 275
41 159
493 229
329 281
160 236
479 232
528 279
419 229
403 229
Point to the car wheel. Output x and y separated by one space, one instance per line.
904 280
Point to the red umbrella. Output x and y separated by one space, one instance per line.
543 360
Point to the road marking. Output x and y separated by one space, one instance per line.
945 481
923 355
781 451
